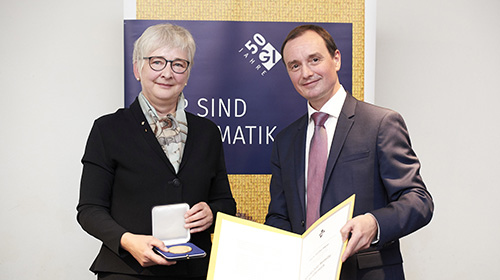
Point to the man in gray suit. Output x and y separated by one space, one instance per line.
367 152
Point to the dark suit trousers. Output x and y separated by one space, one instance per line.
351 271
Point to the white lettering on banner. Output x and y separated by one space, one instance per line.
264 51
245 134
234 108
220 107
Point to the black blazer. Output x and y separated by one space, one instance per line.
126 173
371 156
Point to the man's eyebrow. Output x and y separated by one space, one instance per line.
316 54
291 62
313 55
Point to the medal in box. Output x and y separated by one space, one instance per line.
168 226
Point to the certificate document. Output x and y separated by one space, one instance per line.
244 249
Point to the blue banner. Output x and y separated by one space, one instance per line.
239 81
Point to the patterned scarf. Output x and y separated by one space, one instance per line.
171 130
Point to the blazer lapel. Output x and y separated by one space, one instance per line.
344 124
148 135
188 147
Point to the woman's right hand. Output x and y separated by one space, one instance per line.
141 248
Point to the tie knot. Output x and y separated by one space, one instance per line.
319 118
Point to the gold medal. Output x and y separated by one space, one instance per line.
180 249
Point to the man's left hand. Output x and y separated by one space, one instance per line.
363 229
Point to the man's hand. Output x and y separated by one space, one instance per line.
141 248
199 217
363 229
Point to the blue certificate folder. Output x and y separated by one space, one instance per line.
196 252
168 226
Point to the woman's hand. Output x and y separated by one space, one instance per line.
199 217
141 248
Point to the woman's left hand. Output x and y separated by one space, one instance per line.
199 217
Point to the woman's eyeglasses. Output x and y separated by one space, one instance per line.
158 63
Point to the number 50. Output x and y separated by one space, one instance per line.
259 39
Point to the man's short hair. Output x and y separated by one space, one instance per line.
299 30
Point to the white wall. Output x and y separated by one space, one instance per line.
62 66
438 63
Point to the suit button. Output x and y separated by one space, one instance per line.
302 223
176 182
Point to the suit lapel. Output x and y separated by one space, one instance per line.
299 152
344 124
148 135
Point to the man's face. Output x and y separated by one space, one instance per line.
312 70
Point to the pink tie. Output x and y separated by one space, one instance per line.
317 164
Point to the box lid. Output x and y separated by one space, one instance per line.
168 223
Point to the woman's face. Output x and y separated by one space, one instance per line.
163 87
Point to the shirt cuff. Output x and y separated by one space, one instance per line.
375 241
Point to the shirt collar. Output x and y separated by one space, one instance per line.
333 106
